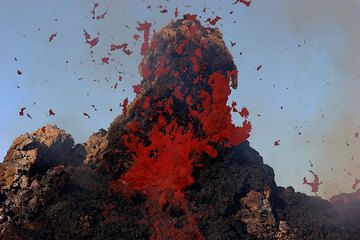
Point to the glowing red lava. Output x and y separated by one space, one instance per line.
166 148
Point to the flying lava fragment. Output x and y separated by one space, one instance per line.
213 21
52 36
125 104
86 115
102 16
92 42
123 47
51 112
137 89
144 27
21 113
314 184
245 2
105 60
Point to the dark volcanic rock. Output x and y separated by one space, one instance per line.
172 166
47 194
44 148
95 149
32 174
220 195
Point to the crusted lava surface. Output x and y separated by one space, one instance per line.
171 166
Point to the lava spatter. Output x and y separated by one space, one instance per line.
21 112
96 5
92 42
123 47
144 27
86 115
102 16
52 36
105 60
125 104
136 37
184 117
137 89
314 184
245 2
51 112
213 21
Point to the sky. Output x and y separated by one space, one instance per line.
305 94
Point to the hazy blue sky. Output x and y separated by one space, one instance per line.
305 94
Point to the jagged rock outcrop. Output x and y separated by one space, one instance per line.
95 148
171 166
47 193
41 149
257 214
32 174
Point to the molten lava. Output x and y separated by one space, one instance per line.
184 119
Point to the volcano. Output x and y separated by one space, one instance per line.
171 166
